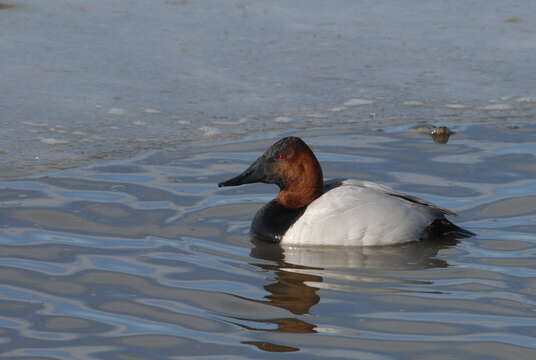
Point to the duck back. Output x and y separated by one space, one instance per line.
358 213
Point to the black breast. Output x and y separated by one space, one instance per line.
272 221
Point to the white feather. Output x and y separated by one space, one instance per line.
362 213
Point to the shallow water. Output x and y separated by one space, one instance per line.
148 259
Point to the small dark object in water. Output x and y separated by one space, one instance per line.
441 134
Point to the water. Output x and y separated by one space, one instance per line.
147 259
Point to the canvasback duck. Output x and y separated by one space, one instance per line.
309 211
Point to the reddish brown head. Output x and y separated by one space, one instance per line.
290 164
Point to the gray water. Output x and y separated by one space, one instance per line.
82 81
147 259
144 257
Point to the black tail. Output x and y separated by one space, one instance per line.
442 228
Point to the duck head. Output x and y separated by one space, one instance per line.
291 165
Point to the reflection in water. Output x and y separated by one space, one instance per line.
415 255
289 291
266 346
300 271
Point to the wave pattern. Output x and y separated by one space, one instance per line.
147 259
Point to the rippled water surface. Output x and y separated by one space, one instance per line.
148 259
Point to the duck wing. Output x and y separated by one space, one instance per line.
360 214
392 192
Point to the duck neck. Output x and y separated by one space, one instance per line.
303 188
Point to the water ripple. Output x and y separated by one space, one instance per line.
142 257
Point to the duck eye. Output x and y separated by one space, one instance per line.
282 156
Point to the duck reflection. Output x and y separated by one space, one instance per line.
301 271
410 256
290 290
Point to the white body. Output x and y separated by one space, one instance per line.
362 213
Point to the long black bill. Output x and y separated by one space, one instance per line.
254 173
